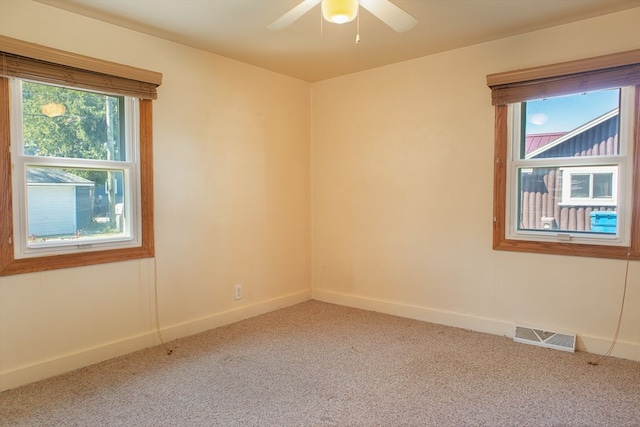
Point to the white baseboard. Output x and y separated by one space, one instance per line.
68 362
441 317
599 345
588 343
202 324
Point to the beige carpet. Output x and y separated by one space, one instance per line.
317 364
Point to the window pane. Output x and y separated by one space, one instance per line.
580 185
603 185
570 126
62 122
66 203
541 205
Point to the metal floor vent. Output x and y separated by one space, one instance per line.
547 339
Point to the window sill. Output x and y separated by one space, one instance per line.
54 262
566 248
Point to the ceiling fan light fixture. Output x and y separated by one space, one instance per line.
339 11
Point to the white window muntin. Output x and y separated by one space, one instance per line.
623 162
131 235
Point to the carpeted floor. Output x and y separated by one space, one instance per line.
318 364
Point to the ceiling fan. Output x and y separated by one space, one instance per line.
342 11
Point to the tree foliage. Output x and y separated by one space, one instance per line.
82 130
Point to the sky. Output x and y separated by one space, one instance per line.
565 113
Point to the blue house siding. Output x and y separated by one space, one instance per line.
54 217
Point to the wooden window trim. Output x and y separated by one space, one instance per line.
32 61
613 60
10 265
501 242
582 75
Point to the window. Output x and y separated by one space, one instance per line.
566 158
76 160
71 150
589 186
567 162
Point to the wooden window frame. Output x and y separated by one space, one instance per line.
46 59
570 77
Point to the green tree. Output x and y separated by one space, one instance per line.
63 122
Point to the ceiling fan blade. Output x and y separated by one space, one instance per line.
291 16
390 14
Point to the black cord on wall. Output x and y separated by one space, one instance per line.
615 336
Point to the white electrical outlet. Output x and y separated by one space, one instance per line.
237 291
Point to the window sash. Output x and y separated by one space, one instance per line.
130 236
22 247
516 162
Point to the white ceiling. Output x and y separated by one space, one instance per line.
306 50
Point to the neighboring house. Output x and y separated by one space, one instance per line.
59 202
564 198
101 190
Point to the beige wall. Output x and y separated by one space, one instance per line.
402 197
375 193
231 158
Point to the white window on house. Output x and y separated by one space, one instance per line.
566 158
589 186
75 155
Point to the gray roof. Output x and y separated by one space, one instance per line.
54 176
